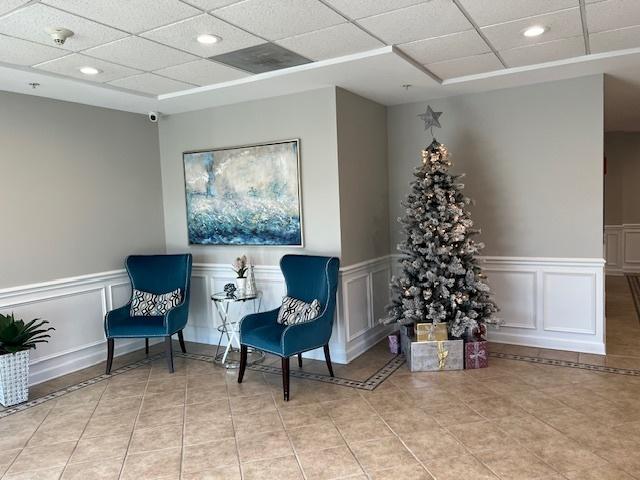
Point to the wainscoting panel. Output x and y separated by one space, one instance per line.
622 248
548 302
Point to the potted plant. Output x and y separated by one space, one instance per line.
240 267
16 339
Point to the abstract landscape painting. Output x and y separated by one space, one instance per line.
244 196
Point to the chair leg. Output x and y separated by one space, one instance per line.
110 344
181 340
243 362
285 378
327 357
146 346
168 351
300 360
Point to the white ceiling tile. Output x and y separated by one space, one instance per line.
489 12
131 15
448 47
140 53
202 72
460 67
30 23
278 19
22 52
150 83
183 35
426 20
367 8
612 14
211 4
8 5
563 24
331 42
71 64
544 52
615 39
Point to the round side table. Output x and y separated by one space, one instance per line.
230 328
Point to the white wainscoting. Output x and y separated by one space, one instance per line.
76 308
553 303
622 248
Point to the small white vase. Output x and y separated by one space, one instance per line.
241 284
14 378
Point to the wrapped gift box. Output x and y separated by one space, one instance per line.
476 354
394 343
433 355
430 332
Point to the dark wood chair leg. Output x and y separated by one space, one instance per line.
243 362
285 378
181 340
300 360
327 357
146 346
110 344
168 351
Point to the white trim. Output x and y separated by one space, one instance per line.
619 251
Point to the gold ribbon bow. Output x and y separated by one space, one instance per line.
442 355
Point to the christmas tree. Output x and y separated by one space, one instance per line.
440 278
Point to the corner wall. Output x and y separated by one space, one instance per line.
533 159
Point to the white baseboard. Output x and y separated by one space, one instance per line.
499 336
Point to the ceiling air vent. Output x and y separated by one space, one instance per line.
261 58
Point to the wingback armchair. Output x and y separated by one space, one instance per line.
307 278
155 274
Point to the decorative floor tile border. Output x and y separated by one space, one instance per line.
369 384
565 363
634 286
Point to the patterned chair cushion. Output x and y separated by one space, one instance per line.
294 311
145 304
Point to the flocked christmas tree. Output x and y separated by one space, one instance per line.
440 279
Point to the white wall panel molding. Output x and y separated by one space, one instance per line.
622 248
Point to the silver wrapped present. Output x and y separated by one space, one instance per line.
433 355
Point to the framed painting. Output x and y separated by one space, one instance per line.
244 195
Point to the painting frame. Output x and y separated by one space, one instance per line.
296 142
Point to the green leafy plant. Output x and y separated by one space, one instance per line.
15 335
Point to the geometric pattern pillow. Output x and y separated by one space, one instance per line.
145 304
294 311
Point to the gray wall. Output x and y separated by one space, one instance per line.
622 195
309 116
80 189
533 159
362 161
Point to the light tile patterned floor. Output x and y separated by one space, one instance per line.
512 421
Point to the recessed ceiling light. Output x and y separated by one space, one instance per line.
90 70
534 31
209 39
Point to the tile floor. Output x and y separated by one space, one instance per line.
514 420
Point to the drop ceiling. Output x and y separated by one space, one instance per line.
148 56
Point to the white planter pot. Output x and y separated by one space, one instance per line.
241 284
14 378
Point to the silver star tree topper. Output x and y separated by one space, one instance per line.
430 118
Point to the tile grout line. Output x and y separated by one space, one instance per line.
233 429
126 453
184 421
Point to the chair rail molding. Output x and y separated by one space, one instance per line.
547 302
622 248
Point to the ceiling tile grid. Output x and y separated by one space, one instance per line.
133 16
418 22
447 47
620 39
183 35
8 5
140 53
150 83
29 23
544 52
201 72
278 19
489 12
71 64
355 9
461 67
331 42
25 53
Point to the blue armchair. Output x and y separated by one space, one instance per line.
308 278
154 274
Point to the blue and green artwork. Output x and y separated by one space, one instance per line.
244 196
